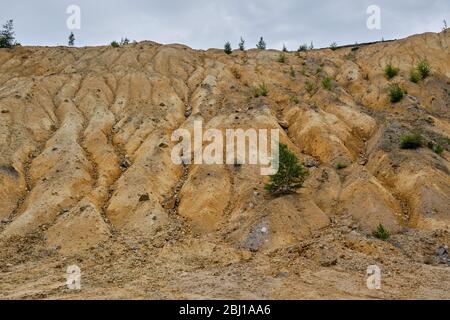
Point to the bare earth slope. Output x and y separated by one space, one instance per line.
86 176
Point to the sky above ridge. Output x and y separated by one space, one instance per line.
209 23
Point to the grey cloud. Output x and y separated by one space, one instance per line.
206 24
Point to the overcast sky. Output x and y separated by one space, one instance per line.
205 24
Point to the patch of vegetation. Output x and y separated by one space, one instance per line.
414 76
260 91
438 148
424 68
123 42
395 93
261 45
284 48
292 72
310 87
333 46
327 83
381 233
227 48
7 39
411 141
294 99
290 176
391 71
282 58
303 48
242 44
340 166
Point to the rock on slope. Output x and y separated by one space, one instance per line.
85 162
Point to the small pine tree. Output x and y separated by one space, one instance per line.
115 44
290 176
284 48
302 48
71 39
333 46
261 45
381 233
124 41
7 35
311 46
242 44
227 48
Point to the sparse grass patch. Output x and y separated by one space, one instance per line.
261 90
438 148
381 233
310 87
282 58
411 141
327 83
294 99
292 72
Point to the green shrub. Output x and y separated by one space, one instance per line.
395 93
282 58
411 141
284 48
227 48
261 45
381 233
333 46
340 166
303 48
414 76
290 176
261 91
391 71
327 83
423 67
438 148
115 44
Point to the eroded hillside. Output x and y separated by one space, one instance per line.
87 178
